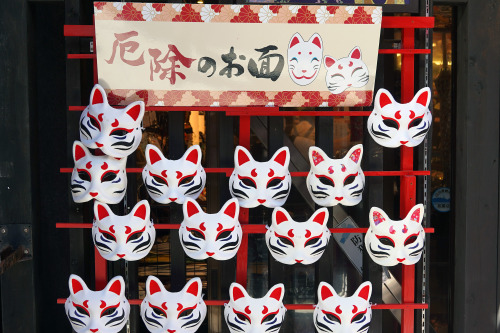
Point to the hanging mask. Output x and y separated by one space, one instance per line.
260 183
173 180
293 242
117 132
392 124
246 314
336 181
336 314
180 312
391 242
97 177
128 237
105 311
205 235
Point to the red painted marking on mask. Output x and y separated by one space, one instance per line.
398 115
202 226
354 309
179 306
112 229
93 194
89 165
164 305
290 233
179 174
337 309
103 305
164 173
128 230
391 230
271 173
115 123
247 309
254 173
104 166
340 67
86 303
99 145
412 114
219 227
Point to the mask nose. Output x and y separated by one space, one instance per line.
173 195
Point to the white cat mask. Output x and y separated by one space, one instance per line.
117 132
173 180
336 181
245 314
205 235
180 312
102 178
260 183
346 73
392 124
304 58
104 311
128 237
293 242
391 242
336 314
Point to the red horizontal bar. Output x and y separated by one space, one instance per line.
294 306
250 112
81 56
404 51
78 30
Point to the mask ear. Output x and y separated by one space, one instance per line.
241 156
296 39
116 286
101 210
193 155
79 151
193 287
280 215
320 216
325 291
141 210
153 154
277 292
364 291
153 285
355 53
329 61
76 284
423 97
383 98
316 40
377 216
316 155
416 214
355 154
231 208
136 110
236 291
98 95
282 156
190 207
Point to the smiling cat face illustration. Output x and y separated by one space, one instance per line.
304 58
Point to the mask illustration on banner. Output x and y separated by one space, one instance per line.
260 183
117 132
336 314
304 58
391 242
246 314
173 180
346 73
105 311
392 124
205 235
128 237
103 178
293 242
336 181
181 312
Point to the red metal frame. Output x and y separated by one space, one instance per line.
407 174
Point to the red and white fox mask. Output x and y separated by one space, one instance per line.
181 312
391 242
104 311
245 314
336 314
117 132
260 183
128 237
173 180
392 124
293 242
102 178
336 181
216 236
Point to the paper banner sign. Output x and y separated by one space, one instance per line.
237 55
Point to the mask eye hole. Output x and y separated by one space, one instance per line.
326 181
410 240
248 182
108 236
134 236
108 312
81 310
224 234
391 123
269 317
286 241
84 175
159 312
118 132
332 317
357 317
186 180
185 313
313 241
108 177
94 122
386 241
243 318
415 122
349 180
274 182
197 234
160 180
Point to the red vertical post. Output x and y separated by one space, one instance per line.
407 183
242 256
